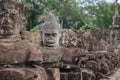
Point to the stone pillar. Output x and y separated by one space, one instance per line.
115 28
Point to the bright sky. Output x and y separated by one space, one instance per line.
112 1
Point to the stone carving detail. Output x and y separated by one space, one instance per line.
91 52
101 60
12 16
116 17
19 60
115 30
51 31
103 45
69 39
72 55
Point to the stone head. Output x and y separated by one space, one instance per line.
92 65
104 67
51 32
69 38
115 59
117 47
11 18
103 45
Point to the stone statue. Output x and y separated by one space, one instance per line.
51 36
89 40
115 29
60 63
51 32
116 16
69 39
103 45
117 48
52 53
19 59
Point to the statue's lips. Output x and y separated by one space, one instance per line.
6 27
6 30
50 42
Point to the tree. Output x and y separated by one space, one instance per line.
72 14
104 18
97 13
35 10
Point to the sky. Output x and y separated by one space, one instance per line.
112 1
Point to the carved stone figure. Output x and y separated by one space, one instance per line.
52 52
59 60
89 40
117 47
115 29
51 32
69 39
103 45
18 58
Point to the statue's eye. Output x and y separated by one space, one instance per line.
47 34
54 34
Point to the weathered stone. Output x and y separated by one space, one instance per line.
103 45
87 75
93 54
74 76
63 76
69 39
19 59
51 32
115 28
54 54
34 37
23 74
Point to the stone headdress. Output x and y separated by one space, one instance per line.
51 23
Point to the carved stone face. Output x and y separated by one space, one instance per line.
104 68
103 45
51 38
10 20
69 39
6 25
117 49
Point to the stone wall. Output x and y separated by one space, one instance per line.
84 39
33 36
75 38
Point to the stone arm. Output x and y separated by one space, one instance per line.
70 59
35 56
67 56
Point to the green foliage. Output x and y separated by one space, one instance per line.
37 27
97 12
104 18
71 14
35 10
92 27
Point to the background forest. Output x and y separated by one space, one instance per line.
71 14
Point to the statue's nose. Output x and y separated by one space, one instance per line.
5 19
